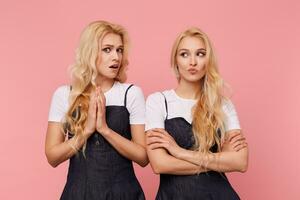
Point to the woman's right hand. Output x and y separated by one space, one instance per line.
90 126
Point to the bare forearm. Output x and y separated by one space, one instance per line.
127 148
177 167
61 152
163 163
221 161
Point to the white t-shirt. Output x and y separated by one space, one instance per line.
115 96
180 107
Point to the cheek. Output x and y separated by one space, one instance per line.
100 66
120 57
102 59
201 63
182 63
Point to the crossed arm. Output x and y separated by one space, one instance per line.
166 156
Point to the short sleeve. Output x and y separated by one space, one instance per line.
136 105
155 111
231 121
59 104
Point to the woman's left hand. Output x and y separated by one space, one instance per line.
101 125
159 138
234 141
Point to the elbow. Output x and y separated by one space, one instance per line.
157 168
52 162
243 162
244 167
143 163
143 160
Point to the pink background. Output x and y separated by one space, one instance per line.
257 44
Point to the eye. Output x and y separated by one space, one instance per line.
107 50
201 54
183 54
120 50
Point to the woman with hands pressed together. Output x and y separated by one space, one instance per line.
98 121
193 132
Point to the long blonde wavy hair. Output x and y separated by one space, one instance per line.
84 72
208 116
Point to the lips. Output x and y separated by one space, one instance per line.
192 71
114 66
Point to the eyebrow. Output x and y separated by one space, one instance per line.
201 49
109 45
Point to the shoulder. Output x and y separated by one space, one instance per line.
155 97
59 103
228 106
62 92
129 87
159 98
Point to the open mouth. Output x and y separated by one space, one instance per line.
115 66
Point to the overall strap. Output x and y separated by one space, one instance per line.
125 98
166 105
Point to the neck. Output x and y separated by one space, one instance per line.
188 90
104 83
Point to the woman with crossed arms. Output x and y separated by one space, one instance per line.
193 132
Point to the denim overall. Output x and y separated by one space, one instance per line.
209 185
104 174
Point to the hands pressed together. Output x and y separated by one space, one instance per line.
96 120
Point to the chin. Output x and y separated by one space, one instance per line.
111 75
193 79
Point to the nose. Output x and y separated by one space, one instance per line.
193 61
115 56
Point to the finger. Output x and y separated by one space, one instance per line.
241 146
148 133
240 141
98 94
99 114
99 108
92 99
92 108
155 140
102 96
160 130
157 146
232 135
154 133
102 99
157 134
163 132
237 138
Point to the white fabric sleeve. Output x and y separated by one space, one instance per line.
231 121
136 105
59 104
155 111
